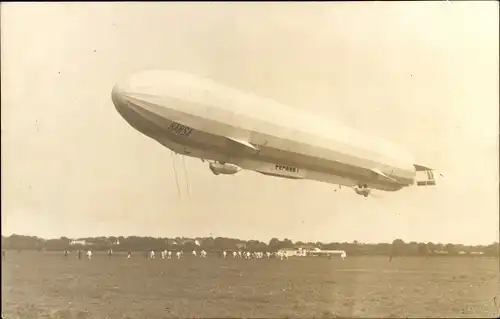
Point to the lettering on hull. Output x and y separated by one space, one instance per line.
180 130
287 168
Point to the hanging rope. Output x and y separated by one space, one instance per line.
186 176
175 172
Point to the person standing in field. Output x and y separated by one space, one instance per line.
66 253
110 252
79 254
343 255
129 254
89 254
4 254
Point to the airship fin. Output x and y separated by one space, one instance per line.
422 168
242 142
379 173
428 178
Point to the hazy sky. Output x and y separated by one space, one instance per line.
422 74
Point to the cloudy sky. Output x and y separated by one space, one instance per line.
422 74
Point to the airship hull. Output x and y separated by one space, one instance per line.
209 121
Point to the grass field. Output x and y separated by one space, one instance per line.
46 285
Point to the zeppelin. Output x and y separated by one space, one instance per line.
234 130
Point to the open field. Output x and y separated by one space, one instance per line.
46 285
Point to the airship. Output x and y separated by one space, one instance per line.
232 130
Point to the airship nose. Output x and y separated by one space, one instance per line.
155 87
137 84
117 95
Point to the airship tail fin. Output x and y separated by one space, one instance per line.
425 175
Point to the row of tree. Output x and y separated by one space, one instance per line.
397 247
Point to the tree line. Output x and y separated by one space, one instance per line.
134 243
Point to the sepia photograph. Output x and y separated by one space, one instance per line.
250 160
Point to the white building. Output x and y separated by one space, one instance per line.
78 242
289 251
477 253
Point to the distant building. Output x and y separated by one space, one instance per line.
304 250
307 247
82 242
470 253
185 241
289 251
241 245
320 252
170 241
440 252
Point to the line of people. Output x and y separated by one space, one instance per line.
167 254
255 255
79 253
164 254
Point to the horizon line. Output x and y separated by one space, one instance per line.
266 242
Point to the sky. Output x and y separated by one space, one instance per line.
422 74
